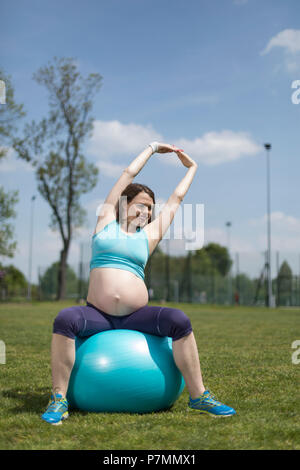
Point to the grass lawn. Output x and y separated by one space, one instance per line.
246 360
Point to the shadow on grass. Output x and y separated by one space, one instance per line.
29 401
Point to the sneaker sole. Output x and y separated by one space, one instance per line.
64 416
210 414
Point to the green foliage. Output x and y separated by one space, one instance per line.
202 263
13 282
10 114
48 282
245 287
54 147
285 280
202 275
8 201
219 258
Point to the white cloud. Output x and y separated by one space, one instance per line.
113 139
285 232
292 65
10 163
288 39
280 221
48 251
110 169
219 147
83 233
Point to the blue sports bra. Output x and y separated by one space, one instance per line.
113 248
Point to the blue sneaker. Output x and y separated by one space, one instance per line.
206 403
57 410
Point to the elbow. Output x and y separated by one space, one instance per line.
178 197
129 172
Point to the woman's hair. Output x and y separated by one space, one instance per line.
132 190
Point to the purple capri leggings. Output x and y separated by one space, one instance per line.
88 320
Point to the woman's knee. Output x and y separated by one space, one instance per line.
68 322
175 323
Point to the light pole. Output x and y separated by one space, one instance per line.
228 225
30 250
268 148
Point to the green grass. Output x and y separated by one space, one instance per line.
246 360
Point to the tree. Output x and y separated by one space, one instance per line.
213 258
285 279
13 281
7 204
54 147
10 114
220 257
48 282
202 263
245 287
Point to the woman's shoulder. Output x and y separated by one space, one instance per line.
104 222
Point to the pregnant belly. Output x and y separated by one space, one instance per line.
116 291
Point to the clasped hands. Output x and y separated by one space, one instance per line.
167 148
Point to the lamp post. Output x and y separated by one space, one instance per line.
30 250
268 148
228 225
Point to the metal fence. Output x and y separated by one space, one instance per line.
180 279
177 279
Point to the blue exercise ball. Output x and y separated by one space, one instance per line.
124 371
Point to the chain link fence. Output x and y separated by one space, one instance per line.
180 279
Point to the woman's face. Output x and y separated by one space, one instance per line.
139 210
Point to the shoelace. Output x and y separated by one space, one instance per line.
54 406
209 400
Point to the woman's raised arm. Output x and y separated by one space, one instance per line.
124 180
129 174
160 225
186 181
140 161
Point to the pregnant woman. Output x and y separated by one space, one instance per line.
125 236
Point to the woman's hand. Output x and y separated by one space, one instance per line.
166 148
185 159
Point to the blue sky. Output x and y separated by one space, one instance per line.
211 76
